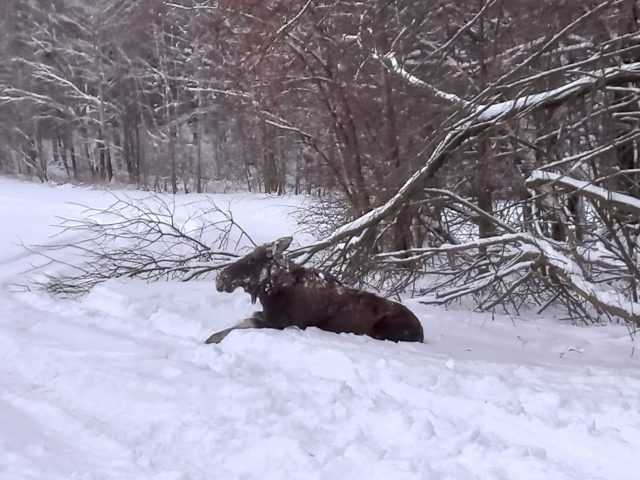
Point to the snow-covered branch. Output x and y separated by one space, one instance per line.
396 67
621 201
608 76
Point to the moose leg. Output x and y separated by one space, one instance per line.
256 320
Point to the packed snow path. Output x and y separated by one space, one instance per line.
120 386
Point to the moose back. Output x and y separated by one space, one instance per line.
292 295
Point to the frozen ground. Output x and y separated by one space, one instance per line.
120 386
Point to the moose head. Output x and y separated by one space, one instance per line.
248 271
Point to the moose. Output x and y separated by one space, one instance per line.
292 295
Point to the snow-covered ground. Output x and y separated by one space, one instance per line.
120 386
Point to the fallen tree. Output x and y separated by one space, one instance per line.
144 239
518 263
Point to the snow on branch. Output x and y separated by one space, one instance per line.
493 111
607 76
413 80
624 202
522 257
421 253
611 303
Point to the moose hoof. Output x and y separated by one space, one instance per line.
216 337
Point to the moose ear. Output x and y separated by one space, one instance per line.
281 244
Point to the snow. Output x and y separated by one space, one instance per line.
119 384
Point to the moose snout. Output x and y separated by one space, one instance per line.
224 283
220 283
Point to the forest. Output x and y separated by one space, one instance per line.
481 151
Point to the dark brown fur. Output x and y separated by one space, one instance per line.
292 295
